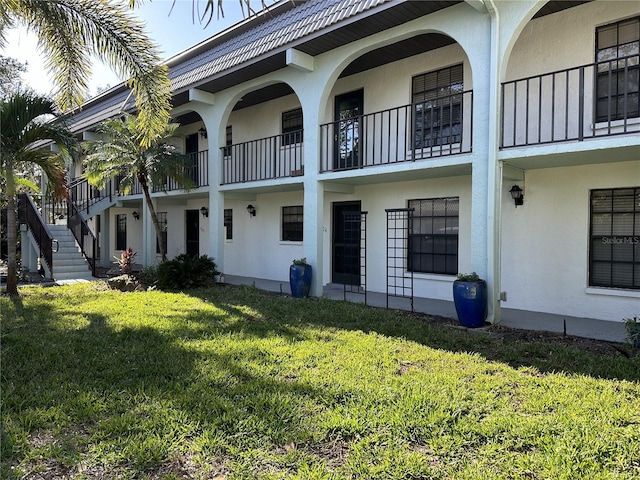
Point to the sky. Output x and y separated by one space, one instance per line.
173 33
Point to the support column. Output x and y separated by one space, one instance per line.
313 247
105 238
212 112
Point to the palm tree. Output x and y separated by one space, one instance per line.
26 119
120 155
71 31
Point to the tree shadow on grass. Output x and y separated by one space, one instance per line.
74 381
546 352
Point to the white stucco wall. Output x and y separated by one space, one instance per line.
375 199
545 243
262 120
389 86
565 39
256 249
134 232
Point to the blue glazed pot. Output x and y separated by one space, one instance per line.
470 299
300 280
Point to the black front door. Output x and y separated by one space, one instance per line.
193 232
346 244
348 130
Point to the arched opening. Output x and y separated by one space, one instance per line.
263 136
406 101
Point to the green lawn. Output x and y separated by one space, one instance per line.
230 383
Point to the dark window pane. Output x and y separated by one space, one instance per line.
615 238
292 223
617 83
433 240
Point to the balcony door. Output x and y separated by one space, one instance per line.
348 130
191 149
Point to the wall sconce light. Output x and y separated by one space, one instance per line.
252 210
203 132
136 215
205 212
517 195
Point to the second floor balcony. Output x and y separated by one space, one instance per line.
84 195
267 158
420 131
589 101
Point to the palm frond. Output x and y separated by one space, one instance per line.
70 31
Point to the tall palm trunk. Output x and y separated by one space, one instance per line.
12 235
142 178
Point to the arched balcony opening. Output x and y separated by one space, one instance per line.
408 101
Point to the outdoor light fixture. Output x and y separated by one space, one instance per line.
204 211
203 132
517 195
252 210
136 215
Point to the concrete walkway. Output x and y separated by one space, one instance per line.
520 319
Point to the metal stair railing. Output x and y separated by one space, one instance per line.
29 215
82 233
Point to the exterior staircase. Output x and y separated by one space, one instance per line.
68 261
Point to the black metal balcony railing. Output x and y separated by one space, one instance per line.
197 170
433 128
263 159
594 100
85 195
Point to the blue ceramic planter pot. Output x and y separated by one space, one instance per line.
470 299
300 280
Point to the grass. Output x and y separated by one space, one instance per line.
232 383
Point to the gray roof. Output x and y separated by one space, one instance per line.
308 17
256 46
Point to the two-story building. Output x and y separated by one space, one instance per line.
385 140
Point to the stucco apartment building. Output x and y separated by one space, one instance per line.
384 141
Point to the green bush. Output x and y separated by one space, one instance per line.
187 271
149 275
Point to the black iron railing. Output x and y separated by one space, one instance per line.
197 171
434 128
263 159
594 100
28 214
83 235
84 195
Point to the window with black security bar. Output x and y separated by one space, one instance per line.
614 244
162 223
433 236
618 72
292 127
121 232
228 223
292 223
437 107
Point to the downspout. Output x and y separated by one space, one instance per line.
494 168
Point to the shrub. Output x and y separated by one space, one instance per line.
149 275
125 262
187 271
